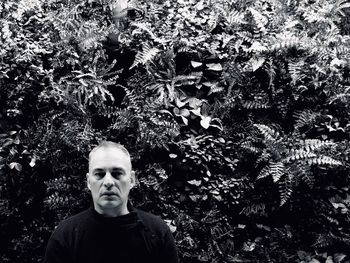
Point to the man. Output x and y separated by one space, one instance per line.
112 230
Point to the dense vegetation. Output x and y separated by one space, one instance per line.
236 113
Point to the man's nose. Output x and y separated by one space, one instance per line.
108 180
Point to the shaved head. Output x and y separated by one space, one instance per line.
109 145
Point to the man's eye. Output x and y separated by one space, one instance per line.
100 174
116 174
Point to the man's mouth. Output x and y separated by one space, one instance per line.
109 193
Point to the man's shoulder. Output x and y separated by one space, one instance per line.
73 221
153 222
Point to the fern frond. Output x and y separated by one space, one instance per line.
131 100
187 80
268 133
295 155
111 111
304 118
147 54
285 43
254 105
265 172
314 144
89 40
302 172
295 70
254 209
233 17
322 160
246 36
215 88
285 188
24 6
275 169
124 119
309 179
144 27
343 96
324 240
259 19
250 147
168 126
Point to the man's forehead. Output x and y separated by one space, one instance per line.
108 155
109 150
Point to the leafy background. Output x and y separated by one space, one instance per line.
236 114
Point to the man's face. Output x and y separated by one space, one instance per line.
110 179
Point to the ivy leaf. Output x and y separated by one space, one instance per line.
338 257
205 122
196 64
184 120
120 9
249 246
15 165
200 5
180 103
257 63
218 125
32 162
185 112
222 140
195 182
195 198
195 103
214 66
172 155
171 225
196 112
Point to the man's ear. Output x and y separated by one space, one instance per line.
132 179
88 181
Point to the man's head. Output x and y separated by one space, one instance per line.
110 178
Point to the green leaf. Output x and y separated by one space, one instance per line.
15 165
185 112
196 112
195 182
205 122
196 64
195 103
184 120
314 260
8 142
32 162
338 257
214 66
257 63
180 103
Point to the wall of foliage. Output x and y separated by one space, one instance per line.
236 113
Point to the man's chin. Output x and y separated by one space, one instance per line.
110 202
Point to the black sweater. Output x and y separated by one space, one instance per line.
89 237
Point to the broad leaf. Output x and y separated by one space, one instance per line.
214 66
205 122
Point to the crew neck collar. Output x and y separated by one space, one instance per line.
126 219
